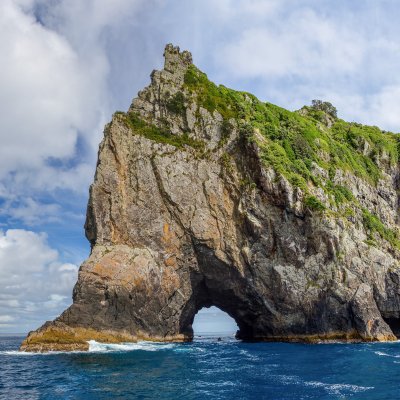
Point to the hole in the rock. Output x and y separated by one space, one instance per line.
394 324
213 322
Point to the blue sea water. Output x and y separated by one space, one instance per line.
204 369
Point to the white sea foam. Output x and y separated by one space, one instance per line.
382 354
39 353
17 353
145 346
249 355
338 389
98 348
189 349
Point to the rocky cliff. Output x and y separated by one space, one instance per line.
203 195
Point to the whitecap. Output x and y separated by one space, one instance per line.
17 353
112 347
382 354
189 349
331 388
338 388
249 355
38 353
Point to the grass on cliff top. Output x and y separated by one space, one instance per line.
291 142
159 134
296 144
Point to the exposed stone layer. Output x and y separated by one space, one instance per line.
174 229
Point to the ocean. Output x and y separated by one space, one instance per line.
204 369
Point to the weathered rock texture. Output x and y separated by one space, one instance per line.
177 227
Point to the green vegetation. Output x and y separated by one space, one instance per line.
292 141
209 95
313 203
307 147
226 130
176 104
297 144
300 143
312 284
325 107
374 225
341 194
159 134
226 162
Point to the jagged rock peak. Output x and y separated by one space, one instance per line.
172 104
175 60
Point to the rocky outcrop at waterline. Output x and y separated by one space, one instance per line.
287 221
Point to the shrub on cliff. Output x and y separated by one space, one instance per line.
324 106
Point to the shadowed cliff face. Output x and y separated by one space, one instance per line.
206 196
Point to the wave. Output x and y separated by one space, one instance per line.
111 347
382 354
337 389
17 353
37 353
98 348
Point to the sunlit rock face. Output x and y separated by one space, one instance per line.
206 196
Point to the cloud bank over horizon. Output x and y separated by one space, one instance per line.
68 65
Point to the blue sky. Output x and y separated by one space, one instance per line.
66 66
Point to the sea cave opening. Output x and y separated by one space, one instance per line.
394 324
213 322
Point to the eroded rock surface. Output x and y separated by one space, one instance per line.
177 225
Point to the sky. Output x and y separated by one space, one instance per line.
67 65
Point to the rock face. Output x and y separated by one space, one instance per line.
188 210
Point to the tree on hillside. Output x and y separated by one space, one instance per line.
324 106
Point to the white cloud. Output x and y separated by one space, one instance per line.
55 68
385 108
6 318
46 92
300 52
32 212
34 284
54 88
307 46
